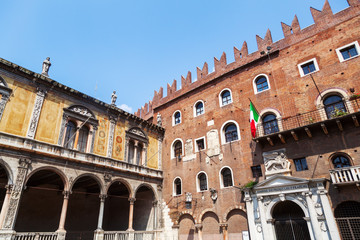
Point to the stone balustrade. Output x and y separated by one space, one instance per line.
345 175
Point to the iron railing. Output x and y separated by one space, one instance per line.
345 175
308 118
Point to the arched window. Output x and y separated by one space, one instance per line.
270 124
226 177
202 182
83 138
341 161
261 84
199 108
231 133
177 118
225 97
334 106
177 148
177 187
70 135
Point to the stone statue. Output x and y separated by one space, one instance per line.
159 121
45 67
113 98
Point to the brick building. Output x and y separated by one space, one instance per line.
304 156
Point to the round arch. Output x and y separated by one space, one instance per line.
93 176
8 171
194 108
147 186
186 223
184 214
173 117
205 211
267 111
277 200
174 187
328 92
336 154
172 155
227 212
198 183
221 177
220 97
53 169
123 181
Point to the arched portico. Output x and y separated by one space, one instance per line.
144 208
41 202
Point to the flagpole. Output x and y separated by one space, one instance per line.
253 105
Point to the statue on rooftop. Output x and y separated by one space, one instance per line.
113 98
45 67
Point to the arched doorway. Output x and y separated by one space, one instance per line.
116 212
210 226
187 228
237 223
347 216
4 179
41 203
83 209
289 222
144 211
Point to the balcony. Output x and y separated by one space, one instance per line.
345 175
320 118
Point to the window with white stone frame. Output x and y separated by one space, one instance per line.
177 191
349 51
308 67
136 143
202 182
78 128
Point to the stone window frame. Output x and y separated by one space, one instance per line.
222 178
340 56
172 150
198 182
5 92
336 154
174 187
302 74
222 131
196 147
255 85
194 108
79 115
173 118
265 112
138 136
220 97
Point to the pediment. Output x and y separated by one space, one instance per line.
280 181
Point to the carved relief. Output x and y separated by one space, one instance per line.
16 193
189 150
3 101
138 132
111 138
39 100
276 162
82 111
213 143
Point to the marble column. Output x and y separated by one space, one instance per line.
313 216
330 220
131 213
250 214
101 211
64 211
155 214
134 160
199 231
5 204
224 227
267 233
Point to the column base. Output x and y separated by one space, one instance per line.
6 234
61 234
99 234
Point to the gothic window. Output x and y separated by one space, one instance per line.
270 124
348 51
225 97
202 182
177 149
177 187
199 108
261 84
177 118
136 143
334 106
308 67
231 133
226 177
78 129
340 161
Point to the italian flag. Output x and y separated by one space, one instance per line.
254 117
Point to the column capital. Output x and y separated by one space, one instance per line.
102 197
322 192
223 225
132 200
307 193
198 226
155 202
66 194
24 162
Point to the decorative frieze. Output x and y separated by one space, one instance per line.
111 137
39 100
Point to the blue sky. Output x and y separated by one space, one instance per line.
135 47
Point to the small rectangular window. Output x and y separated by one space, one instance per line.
256 171
301 164
308 67
200 144
348 51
